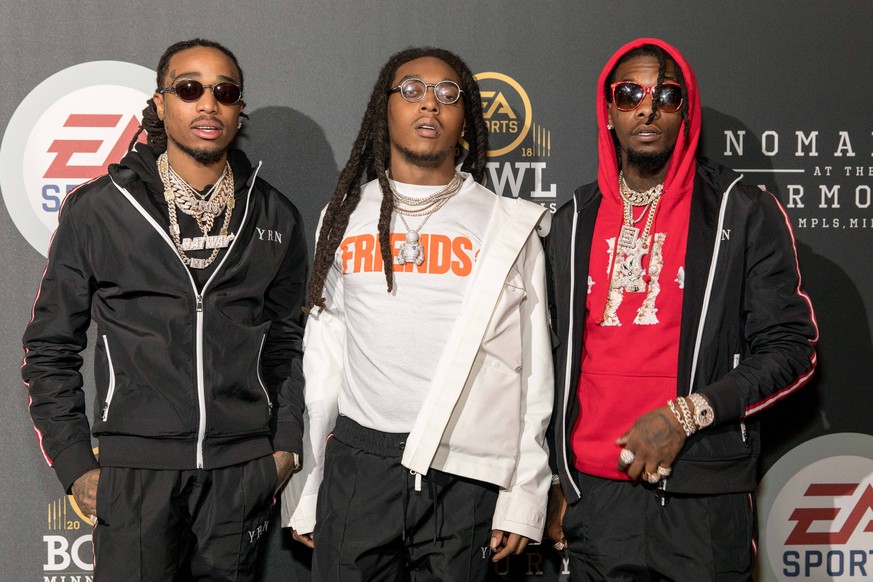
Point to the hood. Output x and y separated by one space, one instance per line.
141 163
682 166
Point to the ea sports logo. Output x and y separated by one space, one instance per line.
820 520
507 112
66 132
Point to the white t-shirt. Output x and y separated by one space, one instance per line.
394 340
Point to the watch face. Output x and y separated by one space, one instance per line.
703 414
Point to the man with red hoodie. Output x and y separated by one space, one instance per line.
676 297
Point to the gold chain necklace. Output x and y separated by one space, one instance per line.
628 271
638 198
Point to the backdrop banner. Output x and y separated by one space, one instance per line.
786 92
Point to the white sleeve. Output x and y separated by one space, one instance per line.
521 508
323 354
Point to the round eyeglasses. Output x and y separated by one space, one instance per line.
414 90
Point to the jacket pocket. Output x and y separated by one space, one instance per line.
744 433
237 386
487 426
261 377
503 338
110 390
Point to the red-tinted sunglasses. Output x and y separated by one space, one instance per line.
627 95
226 93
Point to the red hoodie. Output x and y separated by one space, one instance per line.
630 352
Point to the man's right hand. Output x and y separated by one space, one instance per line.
305 539
84 491
555 516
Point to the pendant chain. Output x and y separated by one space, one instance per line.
204 209
410 250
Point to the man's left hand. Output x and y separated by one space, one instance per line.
655 439
504 544
285 465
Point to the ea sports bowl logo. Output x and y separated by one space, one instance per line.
519 148
66 132
507 112
817 511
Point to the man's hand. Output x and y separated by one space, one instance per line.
655 439
503 544
305 539
84 491
285 465
555 517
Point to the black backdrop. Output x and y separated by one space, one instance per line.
786 89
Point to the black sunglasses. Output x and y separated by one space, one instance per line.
226 93
627 95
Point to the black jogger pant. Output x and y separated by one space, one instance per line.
164 525
622 530
377 521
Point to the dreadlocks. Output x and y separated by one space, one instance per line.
650 50
151 123
369 159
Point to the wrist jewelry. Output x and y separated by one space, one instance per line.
686 427
686 414
703 413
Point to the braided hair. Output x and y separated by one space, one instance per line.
151 123
650 50
369 160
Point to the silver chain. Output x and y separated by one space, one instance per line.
177 192
430 204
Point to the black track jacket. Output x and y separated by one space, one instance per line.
188 375
755 327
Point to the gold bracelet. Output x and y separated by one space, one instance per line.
689 426
682 421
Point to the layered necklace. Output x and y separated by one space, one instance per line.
410 250
203 208
628 273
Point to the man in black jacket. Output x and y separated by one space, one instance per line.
193 270
676 298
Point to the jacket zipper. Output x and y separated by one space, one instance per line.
570 347
710 279
201 382
198 296
744 434
110 391
261 380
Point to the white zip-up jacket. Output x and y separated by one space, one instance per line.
497 433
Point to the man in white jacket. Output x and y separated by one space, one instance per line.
427 404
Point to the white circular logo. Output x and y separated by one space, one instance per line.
65 132
816 511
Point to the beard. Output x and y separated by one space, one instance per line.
202 155
649 163
424 160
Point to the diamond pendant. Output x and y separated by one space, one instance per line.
627 237
629 268
207 242
411 251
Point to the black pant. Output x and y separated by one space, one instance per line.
182 525
620 530
377 521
